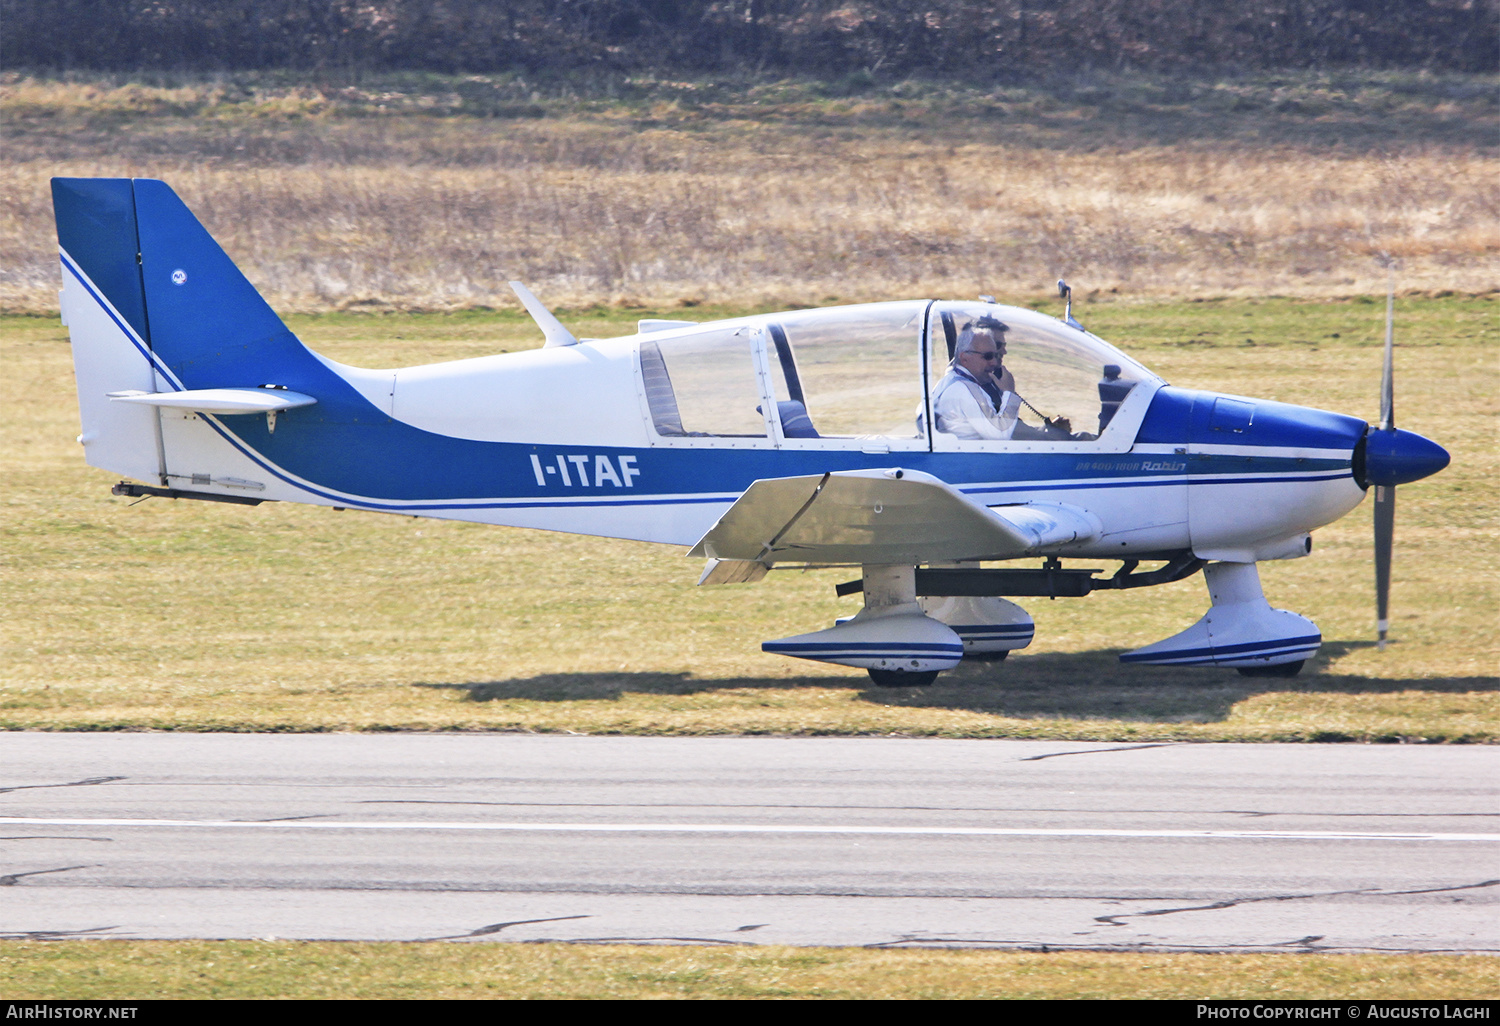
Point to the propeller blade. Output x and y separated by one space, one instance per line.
1387 377
1385 531
1385 495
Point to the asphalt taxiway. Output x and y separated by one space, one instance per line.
886 842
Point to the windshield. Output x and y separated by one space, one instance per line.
1045 380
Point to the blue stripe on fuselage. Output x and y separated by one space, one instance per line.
500 474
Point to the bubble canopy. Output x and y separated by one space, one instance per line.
857 372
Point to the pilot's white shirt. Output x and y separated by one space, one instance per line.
962 408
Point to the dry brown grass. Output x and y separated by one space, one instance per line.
333 198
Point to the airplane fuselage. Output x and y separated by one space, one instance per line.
560 439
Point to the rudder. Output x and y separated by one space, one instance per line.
103 307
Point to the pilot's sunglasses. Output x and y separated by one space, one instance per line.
987 356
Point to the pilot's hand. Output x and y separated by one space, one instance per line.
1060 424
1004 380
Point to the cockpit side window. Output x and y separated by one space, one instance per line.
852 372
703 384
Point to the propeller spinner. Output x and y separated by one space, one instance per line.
1391 457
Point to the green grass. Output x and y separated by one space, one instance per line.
140 970
196 616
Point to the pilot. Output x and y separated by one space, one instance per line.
961 405
977 398
999 379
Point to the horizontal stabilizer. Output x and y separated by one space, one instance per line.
219 400
868 516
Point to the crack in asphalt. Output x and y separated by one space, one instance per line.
719 941
11 879
912 940
293 819
1094 751
1457 887
86 782
1153 946
54 934
1114 920
493 928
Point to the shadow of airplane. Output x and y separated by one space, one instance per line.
1075 685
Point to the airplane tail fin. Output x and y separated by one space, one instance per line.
154 305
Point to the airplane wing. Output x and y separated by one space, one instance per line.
877 516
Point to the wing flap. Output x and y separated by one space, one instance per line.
732 571
868 516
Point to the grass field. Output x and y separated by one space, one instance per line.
126 971
197 616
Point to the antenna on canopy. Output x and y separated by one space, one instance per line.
552 328
1066 292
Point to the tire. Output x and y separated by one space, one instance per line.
1279 670
902 678
987 657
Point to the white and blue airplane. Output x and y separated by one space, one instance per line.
810 438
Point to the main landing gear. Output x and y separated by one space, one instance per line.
905 642
1240 630
901 678
1283 670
